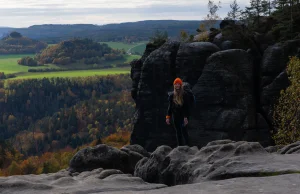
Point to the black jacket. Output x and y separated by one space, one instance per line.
176 110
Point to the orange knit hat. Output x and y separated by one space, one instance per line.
177 81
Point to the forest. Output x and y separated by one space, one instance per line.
15 43
41 116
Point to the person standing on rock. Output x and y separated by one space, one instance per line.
178 110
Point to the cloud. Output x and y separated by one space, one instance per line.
22 13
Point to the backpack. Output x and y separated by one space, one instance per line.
190 95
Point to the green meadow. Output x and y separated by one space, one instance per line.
9 65
74 73
134 47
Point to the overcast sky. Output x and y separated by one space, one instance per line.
24 13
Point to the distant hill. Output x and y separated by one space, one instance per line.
4 31
125 32
79 50
16 43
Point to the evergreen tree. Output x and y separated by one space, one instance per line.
280 4
255 9
235 11
266 7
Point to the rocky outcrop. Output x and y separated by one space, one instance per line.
235 90
107 157
225 106
293 148
136 68
218 160
158 73
191 58
222 166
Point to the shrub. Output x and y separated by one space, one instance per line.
123 65
159 38
28 61
286 114
118 139
202 37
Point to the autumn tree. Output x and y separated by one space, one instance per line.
212 16
287 110
183 36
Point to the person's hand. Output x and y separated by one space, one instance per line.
185 121
168 121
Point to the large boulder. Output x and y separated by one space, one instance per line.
191 58
239 36
107 157
225 106
136 68
217 161
157 75
293 148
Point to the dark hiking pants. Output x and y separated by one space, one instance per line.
181 131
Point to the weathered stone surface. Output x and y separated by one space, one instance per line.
107 157
245 167
275 58
191 58
235 90
226 45
135 148
273 149
62 182
261 133
100 156
216 161
293 148
158 73
136 68
252 185
107 173
225 106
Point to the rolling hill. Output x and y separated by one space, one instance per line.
125 32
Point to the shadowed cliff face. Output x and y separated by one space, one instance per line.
234 91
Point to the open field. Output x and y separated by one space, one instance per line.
9 65
74 73
137 47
